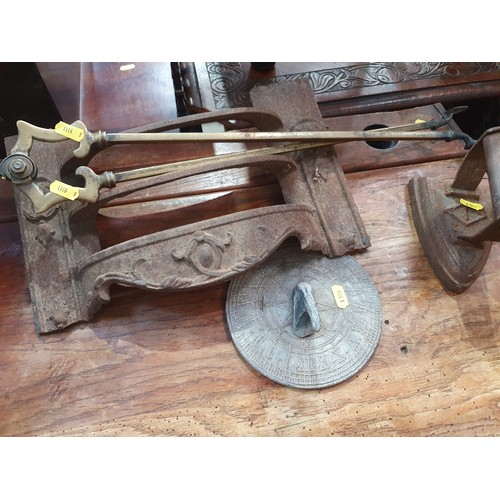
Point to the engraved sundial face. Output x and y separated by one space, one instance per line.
260 317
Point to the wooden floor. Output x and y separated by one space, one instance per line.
164 364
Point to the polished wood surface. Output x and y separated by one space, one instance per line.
111 95
163 364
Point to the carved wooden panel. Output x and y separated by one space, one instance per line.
216 85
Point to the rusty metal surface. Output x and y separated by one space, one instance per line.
262 320
439 221
70 274
456 235
319 179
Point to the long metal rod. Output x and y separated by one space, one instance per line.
143 172
420 130
307 136
387 133
154 170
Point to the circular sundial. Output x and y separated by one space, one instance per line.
303 320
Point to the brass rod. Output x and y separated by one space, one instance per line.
140 173
154 170
307 136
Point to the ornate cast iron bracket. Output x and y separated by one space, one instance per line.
70 274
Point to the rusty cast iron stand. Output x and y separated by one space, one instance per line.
456 229
70 274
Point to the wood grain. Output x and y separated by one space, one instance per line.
155 364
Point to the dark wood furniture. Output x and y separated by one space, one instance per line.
111 95
345 88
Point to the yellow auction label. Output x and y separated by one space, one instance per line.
70 131
471 204
419 120
340 296
64 190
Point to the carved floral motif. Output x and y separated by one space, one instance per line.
204 252
231 88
